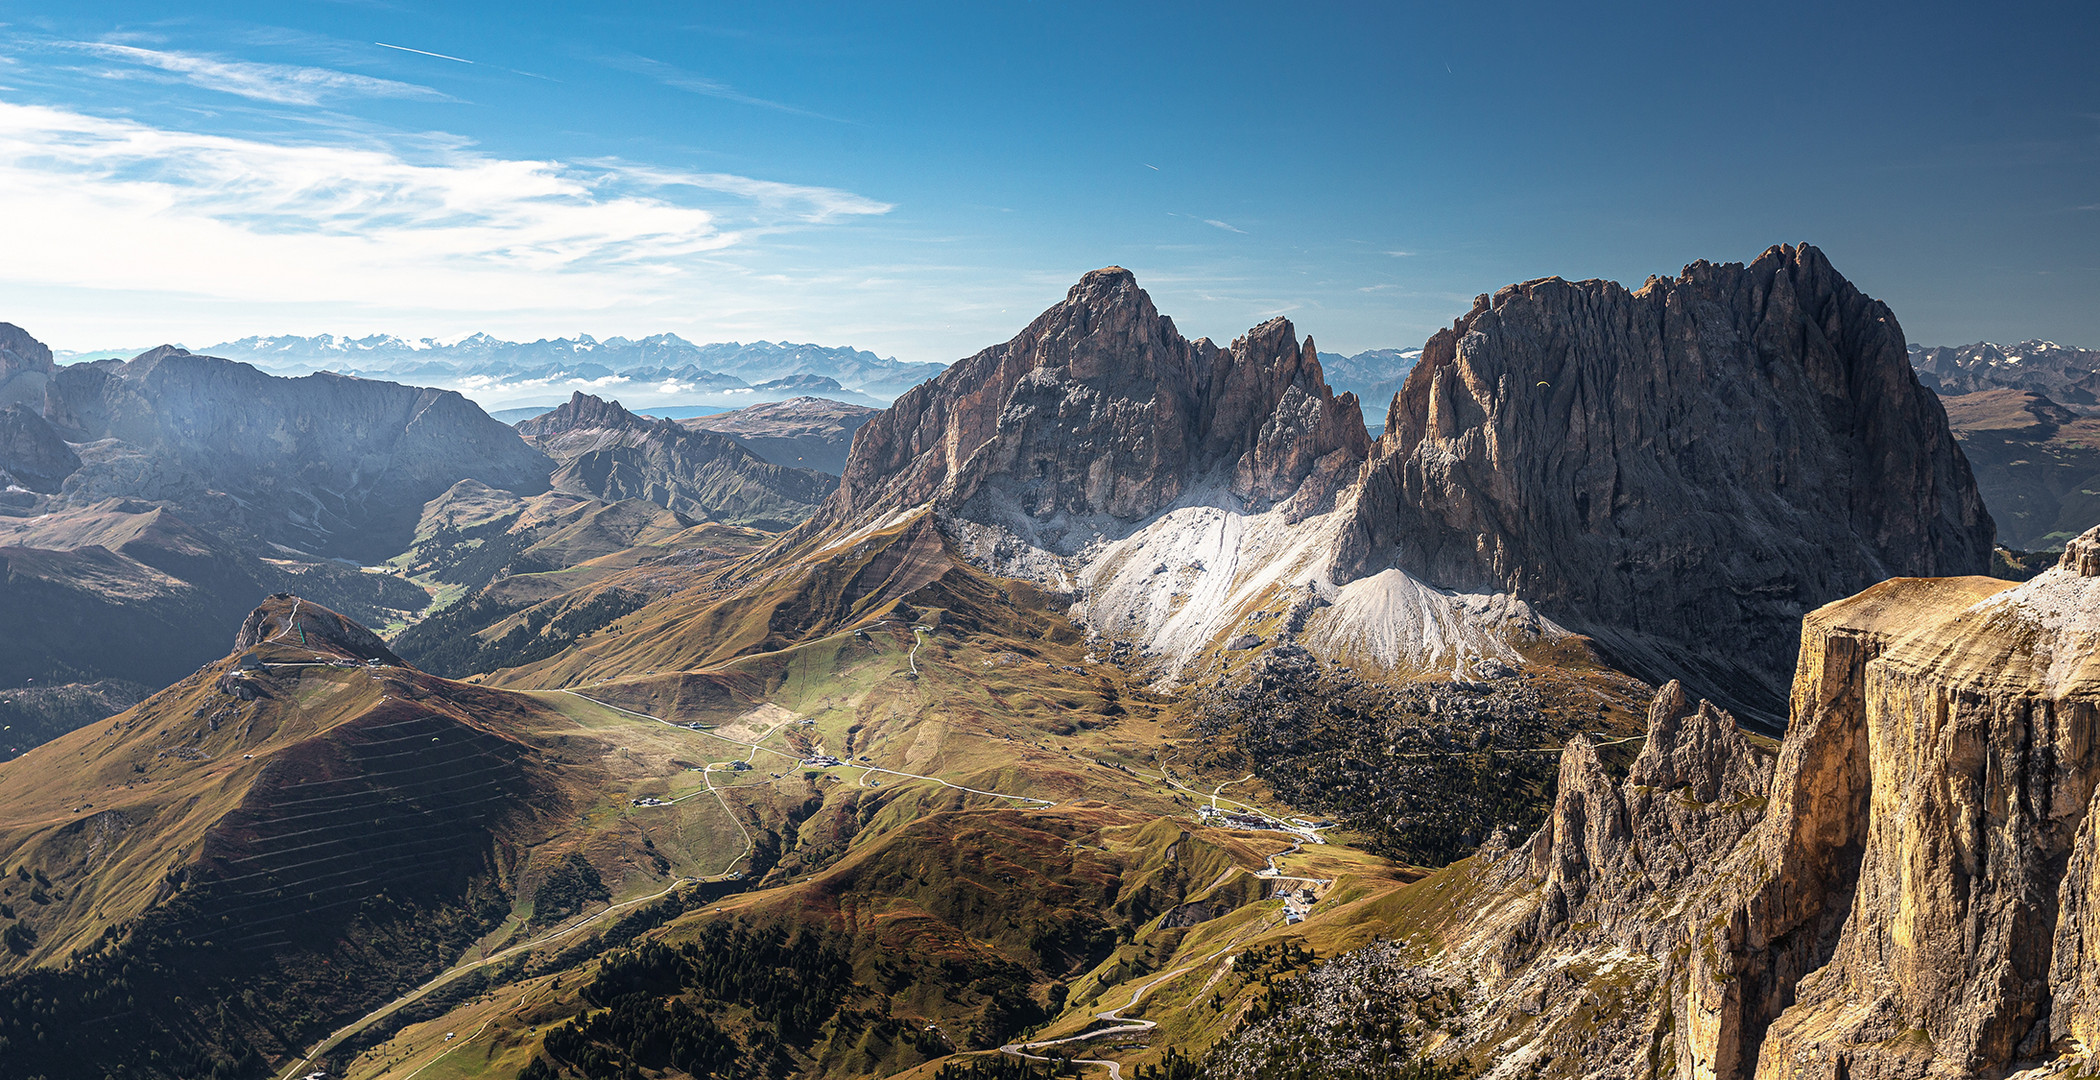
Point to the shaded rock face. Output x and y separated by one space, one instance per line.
32 454
25 367
20 353
1100 413
605 451
324 463
1680 471
1612 846
1909 895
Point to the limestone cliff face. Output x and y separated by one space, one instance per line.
1909 894
1680 470
1101 409
1969 943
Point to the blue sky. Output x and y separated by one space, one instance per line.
921 179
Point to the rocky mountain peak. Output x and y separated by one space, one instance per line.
582 411
607 452
158 353
1681 470
1101 412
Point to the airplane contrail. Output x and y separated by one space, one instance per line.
420 52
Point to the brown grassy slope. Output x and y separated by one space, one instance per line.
2037 464
316 835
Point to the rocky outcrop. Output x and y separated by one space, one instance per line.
32 454
291 620
1688 798
1098 415
605 451
1680 470
324 463
1974 716
1906 891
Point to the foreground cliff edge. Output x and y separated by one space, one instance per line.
1903 888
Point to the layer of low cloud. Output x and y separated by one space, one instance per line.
114 204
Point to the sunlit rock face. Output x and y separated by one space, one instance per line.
1903 890
1101 412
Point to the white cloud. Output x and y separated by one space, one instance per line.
1215 223
284 84
814 205
680 79
111 204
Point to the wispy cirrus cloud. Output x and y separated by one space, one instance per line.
1216 224
678 78
283 84
115 204
799 202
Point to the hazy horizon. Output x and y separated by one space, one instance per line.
922 184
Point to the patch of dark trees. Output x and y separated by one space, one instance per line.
1425 772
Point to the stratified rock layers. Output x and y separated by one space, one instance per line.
1680 471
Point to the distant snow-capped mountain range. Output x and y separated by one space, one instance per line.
2066 374
663 369
659 369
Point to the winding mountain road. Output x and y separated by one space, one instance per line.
1040 803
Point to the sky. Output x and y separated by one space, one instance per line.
922 179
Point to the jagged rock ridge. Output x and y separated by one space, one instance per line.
1100 409
605 451
1680 470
